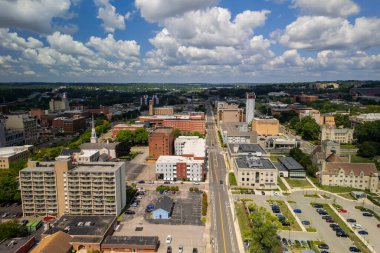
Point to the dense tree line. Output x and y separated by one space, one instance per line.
304 160
368 138
307 128
9 191
138 137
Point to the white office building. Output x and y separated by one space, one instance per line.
179 168
190 146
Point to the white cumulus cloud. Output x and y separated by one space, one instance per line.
66 44
33 15
111 19
159 10
11 40
331 8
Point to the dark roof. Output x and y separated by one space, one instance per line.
333 158
7 247
103 157
98 227
69 152
129 241
252 162
280 167
290 164
164 203
99 145
247 148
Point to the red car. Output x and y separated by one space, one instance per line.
49 218
342 210
378 225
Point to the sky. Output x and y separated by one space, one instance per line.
208 41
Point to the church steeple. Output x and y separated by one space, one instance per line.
94 138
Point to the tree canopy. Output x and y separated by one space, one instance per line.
307 128
12 229
138 137
264 230
304 160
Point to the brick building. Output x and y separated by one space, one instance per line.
161 142
69 125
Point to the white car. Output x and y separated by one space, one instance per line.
180 249
356 225
168 239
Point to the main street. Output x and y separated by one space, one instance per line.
222 222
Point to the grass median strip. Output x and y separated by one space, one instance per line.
244 223
353 237
299 183
281 184
288 216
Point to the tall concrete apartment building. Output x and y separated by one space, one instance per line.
161 141
62 187
24 123
250 106
59 105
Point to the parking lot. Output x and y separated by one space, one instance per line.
185 221
323 231
10 211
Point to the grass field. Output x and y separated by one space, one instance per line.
288 216
346 229
347 196
348 146
232 179
274 158
359 159
244 223
299 183
281 184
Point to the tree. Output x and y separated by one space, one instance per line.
308 129
368 131
304 160
141 136
12 229
126 135
368 149
177 133
342 120
287 116
264 230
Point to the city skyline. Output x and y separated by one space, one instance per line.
190 41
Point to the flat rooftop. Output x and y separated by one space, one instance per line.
98 167
10 151
176 159
83 225
164 130
246 148
290 164
7 247
131 240
252 162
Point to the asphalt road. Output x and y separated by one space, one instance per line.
222 227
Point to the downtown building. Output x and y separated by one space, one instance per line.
250 107
62 187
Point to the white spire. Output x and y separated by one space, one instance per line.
94 138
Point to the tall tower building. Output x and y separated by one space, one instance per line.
94 138
151 111
250 106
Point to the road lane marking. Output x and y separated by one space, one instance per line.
221 220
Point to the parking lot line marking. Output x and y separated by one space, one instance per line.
221 220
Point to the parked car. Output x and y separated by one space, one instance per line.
356 225
180 249
317 206
306 222
323 246
129 212
354 249
324 251
262 192
285 223
169 249
341 233
169 239
362 232
378 225
342 210
141 182
195 250
297 210
351 220
24 222
330 221
326 217
367 214
284 241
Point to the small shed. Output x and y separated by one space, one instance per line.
163 208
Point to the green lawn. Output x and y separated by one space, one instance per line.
348 146
347 196
338 189
312 196
274 158
288 216
281 184
244 223
357 242
298 183
232 179
359 159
